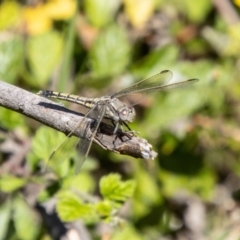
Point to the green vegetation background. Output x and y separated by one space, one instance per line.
91 48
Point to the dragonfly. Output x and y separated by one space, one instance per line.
111 107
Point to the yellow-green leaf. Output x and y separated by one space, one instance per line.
112 188
70 207
10 183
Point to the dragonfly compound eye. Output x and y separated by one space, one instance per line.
132 114
127 114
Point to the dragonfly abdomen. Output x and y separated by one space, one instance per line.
87 102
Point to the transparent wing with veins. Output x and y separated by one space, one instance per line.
152 84
84 144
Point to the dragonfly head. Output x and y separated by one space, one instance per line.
127 114
120 112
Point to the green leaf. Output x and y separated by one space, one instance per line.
110 53
76 182
201 183
196 10
147 192
44 53
11 56
26 221
44 143
156 61
127 232
70 208
112 188
5 216
104 208
100 13
10 119
9 183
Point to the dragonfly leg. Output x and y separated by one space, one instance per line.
130 130
130 133
122 134
115 127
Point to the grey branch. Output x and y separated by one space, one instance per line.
58 117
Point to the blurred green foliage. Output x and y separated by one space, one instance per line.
44 52
89 47
11 56
110 53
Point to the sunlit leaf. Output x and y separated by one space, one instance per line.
196 11
233 49
44 53
127 232
9 14
100 13
112 188
11 57
45 142
82 182
104 208
10 119
146 194
156 61
70 208
5 217
9 183
201 183
110 53
26 221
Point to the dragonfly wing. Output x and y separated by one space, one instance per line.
150 85
82 147
85 145
62 152
146 84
